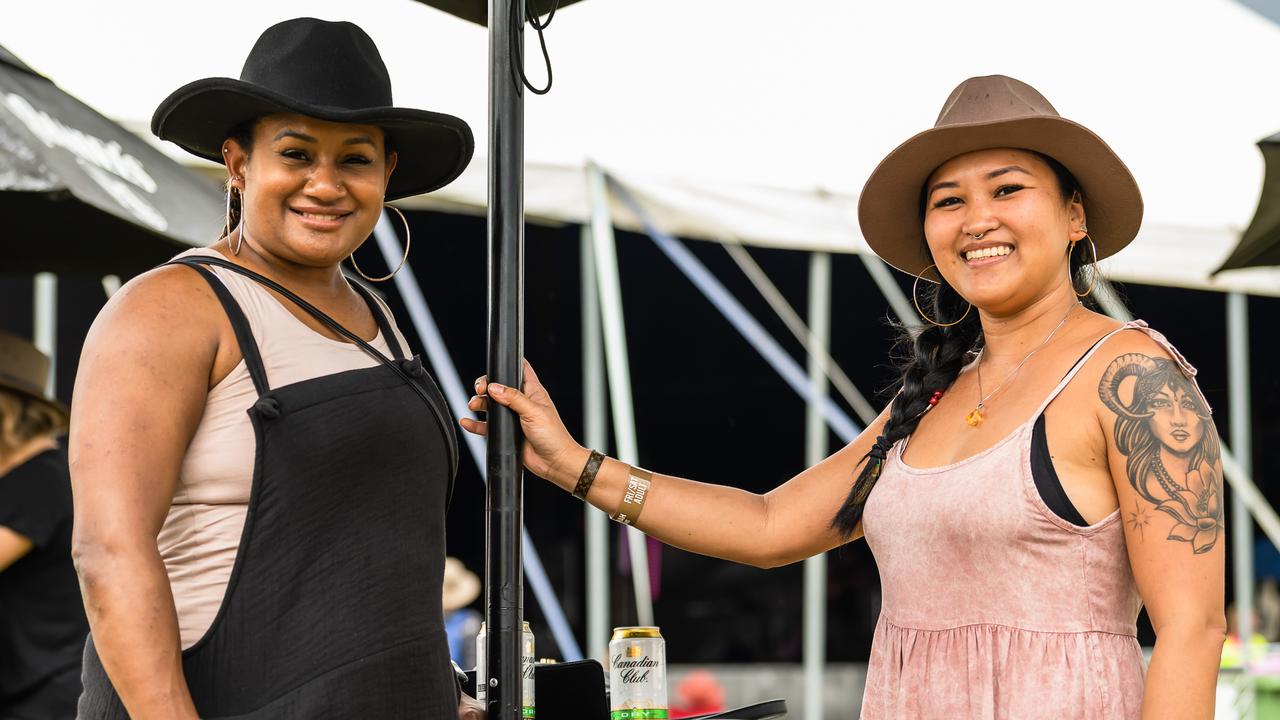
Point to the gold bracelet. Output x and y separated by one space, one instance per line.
638 482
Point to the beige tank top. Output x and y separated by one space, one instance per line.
202 530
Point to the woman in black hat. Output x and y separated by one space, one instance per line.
1042 472
261 470
42 623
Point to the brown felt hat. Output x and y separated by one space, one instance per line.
24 370
995 112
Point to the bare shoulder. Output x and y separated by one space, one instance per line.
167 302
165 320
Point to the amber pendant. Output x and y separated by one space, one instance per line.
974 419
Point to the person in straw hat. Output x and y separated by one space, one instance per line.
42 623
461 621
1042 472
261 467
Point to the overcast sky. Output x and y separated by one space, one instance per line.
803 93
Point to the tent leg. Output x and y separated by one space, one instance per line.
456 393
615 347
504 587
738 316
45 322
596 435
1242 441
898 300
815 568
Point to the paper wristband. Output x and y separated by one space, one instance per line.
638 482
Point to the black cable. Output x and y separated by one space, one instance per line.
539 26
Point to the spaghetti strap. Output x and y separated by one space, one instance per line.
380 317
239 324
1131 325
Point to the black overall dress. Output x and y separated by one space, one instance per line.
333 608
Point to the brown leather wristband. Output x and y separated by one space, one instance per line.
588 476
638 482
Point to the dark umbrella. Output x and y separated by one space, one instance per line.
504 583
81 194
1260 244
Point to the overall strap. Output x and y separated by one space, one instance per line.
380 317
398 367
239 323
1080 363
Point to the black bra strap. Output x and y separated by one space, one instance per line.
239 323
380 317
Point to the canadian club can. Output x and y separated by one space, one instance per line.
637 674
526 667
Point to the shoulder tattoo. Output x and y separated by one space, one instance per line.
1170 444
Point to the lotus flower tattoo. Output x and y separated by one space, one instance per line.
1166 424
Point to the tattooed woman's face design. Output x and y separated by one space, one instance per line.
1175 420
1164 415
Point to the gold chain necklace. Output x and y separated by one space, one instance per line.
974 418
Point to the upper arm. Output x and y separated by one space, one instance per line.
139 395
13 546
1164 457
800 511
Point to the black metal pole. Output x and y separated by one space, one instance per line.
504 584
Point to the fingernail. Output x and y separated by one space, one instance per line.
496 389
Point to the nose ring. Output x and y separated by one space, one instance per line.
978 236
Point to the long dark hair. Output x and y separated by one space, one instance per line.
934 359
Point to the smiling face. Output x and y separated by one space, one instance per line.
1175 421
313 190
1013 200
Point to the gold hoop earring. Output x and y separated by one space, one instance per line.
1094 250
928 319
408 242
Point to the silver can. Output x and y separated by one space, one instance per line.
637 674
526 665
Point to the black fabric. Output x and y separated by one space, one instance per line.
42 622
1046 478
1043 473
326 70
333 608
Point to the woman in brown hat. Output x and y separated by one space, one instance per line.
1042 472
261 469
42 624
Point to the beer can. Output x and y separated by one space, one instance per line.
637 674
527 709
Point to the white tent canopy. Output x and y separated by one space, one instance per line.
747 121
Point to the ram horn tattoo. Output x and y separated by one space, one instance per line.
1166 433
1123 367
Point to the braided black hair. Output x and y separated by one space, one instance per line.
937 354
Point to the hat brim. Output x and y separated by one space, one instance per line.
889 206
17 385
432 148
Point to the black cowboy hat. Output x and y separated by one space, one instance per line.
326 70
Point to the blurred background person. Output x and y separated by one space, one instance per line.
461 622
42 622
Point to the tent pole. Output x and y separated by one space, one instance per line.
596 435
615 348
898 300
738 316
456 393
1242 441
504 590
778 303
45 323
815 568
